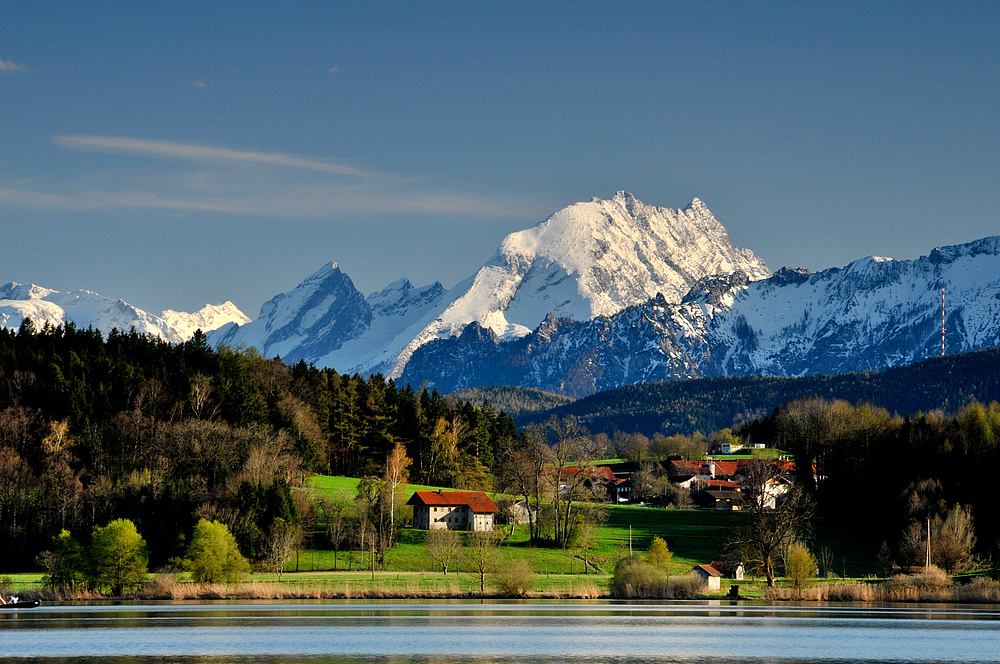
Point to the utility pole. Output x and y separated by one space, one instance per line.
927 562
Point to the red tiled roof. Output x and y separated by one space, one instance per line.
725 495
687 467
477 501
595 472
708 569
722 484
726 467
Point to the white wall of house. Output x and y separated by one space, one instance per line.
450 517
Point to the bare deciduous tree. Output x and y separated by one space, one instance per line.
482 555
337 528
443 547
281 545
762 531
954 540
397 473
569 472
521 464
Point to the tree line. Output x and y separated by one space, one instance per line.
710 404
96 429
901 474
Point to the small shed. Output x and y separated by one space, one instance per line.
516 512
710 577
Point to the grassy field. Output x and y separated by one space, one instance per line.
694 536
329 484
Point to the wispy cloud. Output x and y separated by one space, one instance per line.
199 178
10 67
304 201
334 70
198 83
27 198
202 152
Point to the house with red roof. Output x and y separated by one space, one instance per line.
601 480
452 510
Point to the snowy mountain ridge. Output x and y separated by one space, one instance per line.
589 259
601 294
326 321
86 309
871 314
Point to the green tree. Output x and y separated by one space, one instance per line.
585 538
213 555
65 564
799 565
118 556
659 555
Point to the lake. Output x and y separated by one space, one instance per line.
497 632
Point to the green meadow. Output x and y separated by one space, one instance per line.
694 536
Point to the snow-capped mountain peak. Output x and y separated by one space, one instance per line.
208 318
400 297
871 314
314 318
587 260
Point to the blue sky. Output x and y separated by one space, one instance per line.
173 154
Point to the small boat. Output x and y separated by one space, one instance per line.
21 605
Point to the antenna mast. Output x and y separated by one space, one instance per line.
942 321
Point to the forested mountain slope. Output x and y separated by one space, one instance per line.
515 401
709 404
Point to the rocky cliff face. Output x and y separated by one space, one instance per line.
315 318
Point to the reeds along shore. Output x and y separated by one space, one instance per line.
169 587
933 586
899 589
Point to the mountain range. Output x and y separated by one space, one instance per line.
601 294
85 309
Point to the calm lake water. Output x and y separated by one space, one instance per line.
500 632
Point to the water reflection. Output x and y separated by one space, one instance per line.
501 632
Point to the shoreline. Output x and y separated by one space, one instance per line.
987 592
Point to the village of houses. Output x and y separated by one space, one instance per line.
714 484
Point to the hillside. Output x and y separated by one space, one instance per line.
515 401
709 404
